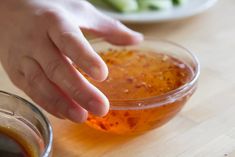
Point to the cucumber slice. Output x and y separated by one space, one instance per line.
178 2
154 4
99 3
123 5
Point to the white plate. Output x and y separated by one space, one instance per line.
192 7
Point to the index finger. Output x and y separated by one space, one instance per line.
69 40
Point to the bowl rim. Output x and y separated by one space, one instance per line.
48 147
163 98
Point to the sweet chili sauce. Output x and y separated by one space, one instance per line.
137 77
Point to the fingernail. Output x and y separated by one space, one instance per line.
75 116
98 74
95 71
97 108
138 35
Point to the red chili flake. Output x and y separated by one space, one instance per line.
138 86
116 123
113 114
130 79
111 124
103 126
110 61
126 114
132 121
178 84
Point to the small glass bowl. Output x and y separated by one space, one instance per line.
27 123
140 115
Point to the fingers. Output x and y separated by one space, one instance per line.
69 40
105 27
58 69
115 32
45 93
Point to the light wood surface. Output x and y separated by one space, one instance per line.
205 127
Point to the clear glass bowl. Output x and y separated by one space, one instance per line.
27 122
141 115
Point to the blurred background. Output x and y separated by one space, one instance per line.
206 126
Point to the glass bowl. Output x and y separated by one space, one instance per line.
140 115
26 124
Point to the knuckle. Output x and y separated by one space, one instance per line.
57 106
52 68
115 23
65 38
49 108
76 94
34 77
52 103
68 38
51 15
56 101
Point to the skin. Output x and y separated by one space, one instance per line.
41 39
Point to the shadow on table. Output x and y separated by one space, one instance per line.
75 140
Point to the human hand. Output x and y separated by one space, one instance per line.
40 40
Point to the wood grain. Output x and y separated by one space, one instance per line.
205 127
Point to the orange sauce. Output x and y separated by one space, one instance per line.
139 75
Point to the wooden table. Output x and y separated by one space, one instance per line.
205 127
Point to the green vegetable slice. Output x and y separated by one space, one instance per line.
123 5
154 4
178 2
